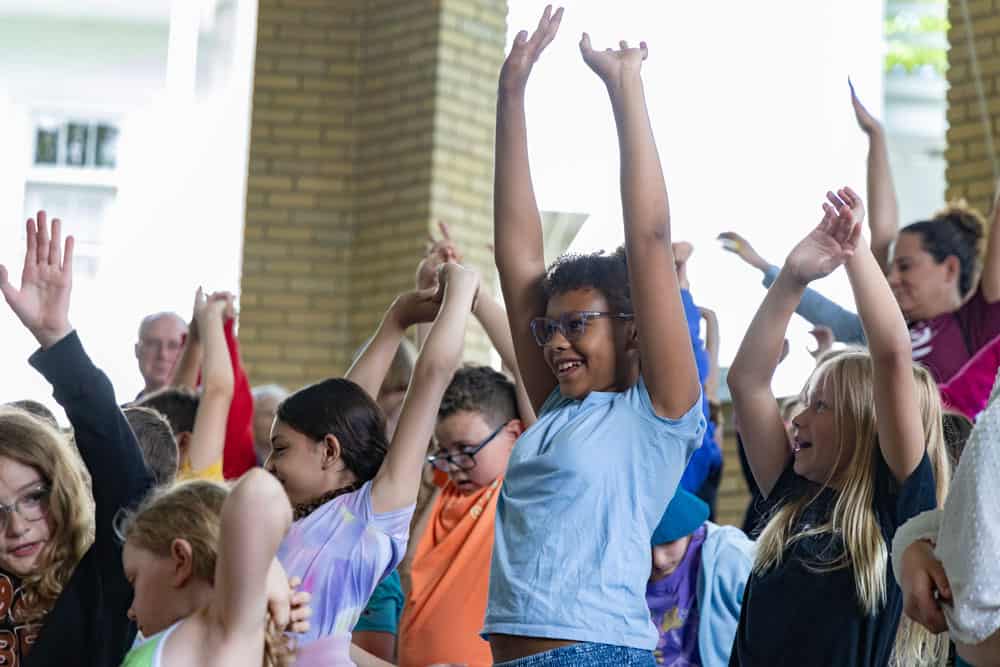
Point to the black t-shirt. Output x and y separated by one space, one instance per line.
794 615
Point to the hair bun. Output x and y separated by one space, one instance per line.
968 219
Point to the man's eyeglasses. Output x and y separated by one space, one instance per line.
30 507
571 325
159 345
464 460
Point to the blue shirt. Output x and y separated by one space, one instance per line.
585 487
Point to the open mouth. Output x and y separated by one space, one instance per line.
798 446
568 367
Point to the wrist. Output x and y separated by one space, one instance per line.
49 337
789 279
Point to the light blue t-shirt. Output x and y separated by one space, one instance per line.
585 487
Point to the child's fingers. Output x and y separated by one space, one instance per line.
644 49
585 44
443 226
294 582
55 247
834 199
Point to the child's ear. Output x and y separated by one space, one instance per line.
331 451
516 426
631 335
182 556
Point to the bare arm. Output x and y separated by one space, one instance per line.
989 283
398 480
883 210
209 436
517 226
255 518
712 349
494 321
765 440
668 365
900 426
189 364
371 366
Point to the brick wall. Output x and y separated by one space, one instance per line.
970 171
371 120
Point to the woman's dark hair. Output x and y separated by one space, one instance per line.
340 408
606 273
956 230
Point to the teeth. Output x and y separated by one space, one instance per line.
566 365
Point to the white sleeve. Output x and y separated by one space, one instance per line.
968 541
923 526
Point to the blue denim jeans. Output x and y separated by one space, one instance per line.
586 655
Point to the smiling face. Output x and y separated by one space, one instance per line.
27 532
603 358
816 446
923 287
464 430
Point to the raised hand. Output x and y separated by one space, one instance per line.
739 246
525 50
42 302
439 251
209 308
828 246
824 340
850 198
611 65
866 121
461 277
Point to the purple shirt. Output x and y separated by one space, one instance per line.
673 605
341 552
944 344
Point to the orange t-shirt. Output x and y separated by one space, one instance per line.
450 582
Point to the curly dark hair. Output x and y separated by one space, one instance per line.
483 390
955 230
605 273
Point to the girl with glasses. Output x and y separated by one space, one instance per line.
63 595
604 352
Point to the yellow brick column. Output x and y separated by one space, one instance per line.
371 120
970 171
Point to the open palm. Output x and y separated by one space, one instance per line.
42 302
828 246
611 65
525 50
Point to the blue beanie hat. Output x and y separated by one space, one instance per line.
684 515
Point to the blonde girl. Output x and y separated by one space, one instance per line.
821 592
208 589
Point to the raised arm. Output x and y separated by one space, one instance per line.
883 210
814 307
255 518
409 308
667 362
900 426
762 431
102 434
209 435
398 480
517 225
712 350
989 283
189 364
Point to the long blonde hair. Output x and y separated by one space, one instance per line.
847 378
192 511
70 507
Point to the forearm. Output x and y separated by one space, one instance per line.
821 311
884 326
883 213
990 280
186 370
760 351
517 223
712 349
373 364
493 318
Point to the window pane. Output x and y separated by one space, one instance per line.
76 144
107 146
46 145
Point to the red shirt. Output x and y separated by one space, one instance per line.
238 455
947 342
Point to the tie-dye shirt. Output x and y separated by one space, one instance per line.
341 552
